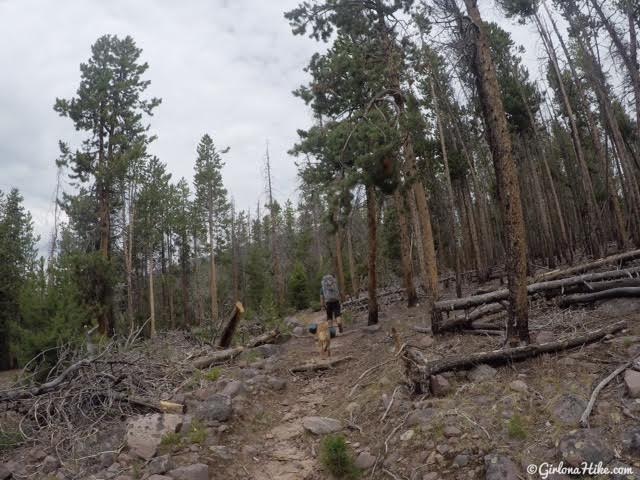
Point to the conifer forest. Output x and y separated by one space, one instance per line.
479 211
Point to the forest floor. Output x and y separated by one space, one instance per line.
489 423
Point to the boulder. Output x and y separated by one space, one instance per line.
276 383
234 388
216 407
299 331
440 386
422 418
268 350
292 322
408 435
145 432
221 451
160 464
518 386
159 477
461 460
321 425
481 373
197 471
500 467
631 441
568 408
632 382
365 460
586 445
451 431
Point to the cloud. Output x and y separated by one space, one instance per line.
226 68
222 67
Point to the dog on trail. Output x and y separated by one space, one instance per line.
324 339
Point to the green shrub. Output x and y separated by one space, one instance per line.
171 439
213 374
315 306
9 440
197 432
335 456
516 428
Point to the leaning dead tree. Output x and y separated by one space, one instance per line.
419 370
232 323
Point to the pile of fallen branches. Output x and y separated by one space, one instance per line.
82 393
566 290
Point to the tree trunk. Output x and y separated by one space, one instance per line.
506 174
339 263
352 264
405 254
152 303
372 222
589 211
618 221
630 59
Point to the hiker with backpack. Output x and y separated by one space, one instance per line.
330 300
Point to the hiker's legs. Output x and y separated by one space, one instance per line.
338 316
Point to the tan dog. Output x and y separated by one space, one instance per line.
324 339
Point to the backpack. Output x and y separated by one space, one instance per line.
330 290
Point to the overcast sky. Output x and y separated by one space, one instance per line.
224 67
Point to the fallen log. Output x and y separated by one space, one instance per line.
230 328
620 258
217 358
503 294
321 365
589 287
604 294
162 406
267 337
466 321
419 371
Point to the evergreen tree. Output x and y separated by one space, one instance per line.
109 108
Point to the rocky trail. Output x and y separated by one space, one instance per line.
258 418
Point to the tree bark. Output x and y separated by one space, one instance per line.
405 254
372 222
152 302
339 262
352 265
506 175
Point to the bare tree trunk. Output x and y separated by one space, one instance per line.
405 254
352 264
454 230
614 204
372 222
339 263
506 175
152 302
629 58
592 228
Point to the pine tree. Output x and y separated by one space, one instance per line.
109 108
212 207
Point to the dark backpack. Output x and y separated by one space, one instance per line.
330 290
